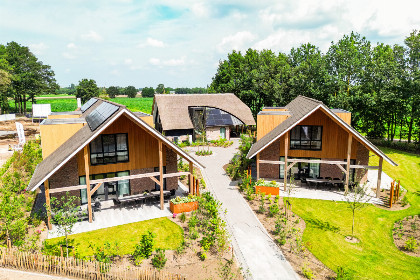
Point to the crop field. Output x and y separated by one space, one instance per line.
65 104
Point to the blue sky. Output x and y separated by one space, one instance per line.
180 42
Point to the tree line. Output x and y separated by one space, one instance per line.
379 84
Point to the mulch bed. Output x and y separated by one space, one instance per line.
399 205
298 258
404 230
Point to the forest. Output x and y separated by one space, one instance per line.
379 84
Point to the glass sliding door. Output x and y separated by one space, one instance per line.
123 185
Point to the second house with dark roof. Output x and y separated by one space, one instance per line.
308 141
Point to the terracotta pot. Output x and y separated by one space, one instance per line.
267 190
183 207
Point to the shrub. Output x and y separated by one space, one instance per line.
307 272
186 199
239 163
273 210
204 153
411 244
159 259
181 248
182 217
281 240
203 256
105 253
404 201
262 208
144 249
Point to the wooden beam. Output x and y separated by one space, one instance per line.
113 179
161 174
378 184
191 176
48 202
291 165
89 198
155 180
271 161
350 138
363 166
258 166
341 168
286 152
95 189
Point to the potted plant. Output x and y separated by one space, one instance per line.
183 204
267 187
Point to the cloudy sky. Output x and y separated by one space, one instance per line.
180 42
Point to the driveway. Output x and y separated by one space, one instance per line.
256 252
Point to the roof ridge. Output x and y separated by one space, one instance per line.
311 99
199 94
111 102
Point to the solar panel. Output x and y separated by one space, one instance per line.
88 104
216 117
100 114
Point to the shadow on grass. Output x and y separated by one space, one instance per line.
326 226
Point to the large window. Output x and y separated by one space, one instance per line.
109 148
301 169
306 137
107 190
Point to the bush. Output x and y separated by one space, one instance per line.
144 249
273 210
204 153
105 253
402 146
239 163
307 272
404 201
411 244
159 259
186 199
183 217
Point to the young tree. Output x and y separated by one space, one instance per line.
87 89
64 214
356 199
12 217
130 91
112 91
148 92
160 89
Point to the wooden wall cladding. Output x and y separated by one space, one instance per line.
54 135
266 123
334 139
345 117
63 116
142 146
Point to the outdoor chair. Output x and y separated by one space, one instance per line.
303 180
116 201
328 178
97 206
329 185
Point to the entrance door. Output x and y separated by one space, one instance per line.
223 132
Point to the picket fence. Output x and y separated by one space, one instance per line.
71 267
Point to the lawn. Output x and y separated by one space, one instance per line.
376 256
168 236
63 104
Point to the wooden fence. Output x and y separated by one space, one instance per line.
12 258
394 193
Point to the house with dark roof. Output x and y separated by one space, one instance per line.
308 141
106 152
182 117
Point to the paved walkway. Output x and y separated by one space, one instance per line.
256 251
111 216
11 274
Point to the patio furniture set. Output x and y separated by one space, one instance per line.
144 198
324 182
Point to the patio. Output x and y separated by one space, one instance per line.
302 190
112 215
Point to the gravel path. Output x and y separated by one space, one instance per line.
256 252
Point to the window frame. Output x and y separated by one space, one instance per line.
115 149
310 140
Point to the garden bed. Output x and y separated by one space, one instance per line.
267 190
406 233
183 207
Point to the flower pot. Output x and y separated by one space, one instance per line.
267 190
183 207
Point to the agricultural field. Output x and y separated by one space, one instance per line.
66 104
376 256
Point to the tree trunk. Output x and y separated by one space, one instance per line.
410 128
352 226
67 246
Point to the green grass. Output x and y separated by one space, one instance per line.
168 236
63 105
143 104
376 256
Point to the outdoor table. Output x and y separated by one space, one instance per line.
318 181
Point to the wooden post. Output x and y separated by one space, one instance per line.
378 183
286 152
161 175
197 184
350 139
89 198
191 176
391 194
47 201
258 166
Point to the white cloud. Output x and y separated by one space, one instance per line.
92 36
237 41
38 48
152 43
128 61
71 46
69 55
154 61
169 62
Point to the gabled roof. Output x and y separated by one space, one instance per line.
84 136
300 108
174 113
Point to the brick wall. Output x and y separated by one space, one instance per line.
66 176
331 170
213 132
171 167
272 152
362 158
142 184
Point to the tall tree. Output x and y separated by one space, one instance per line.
148 92
30 77
112 91
5 81
160 89
130 91
87 89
